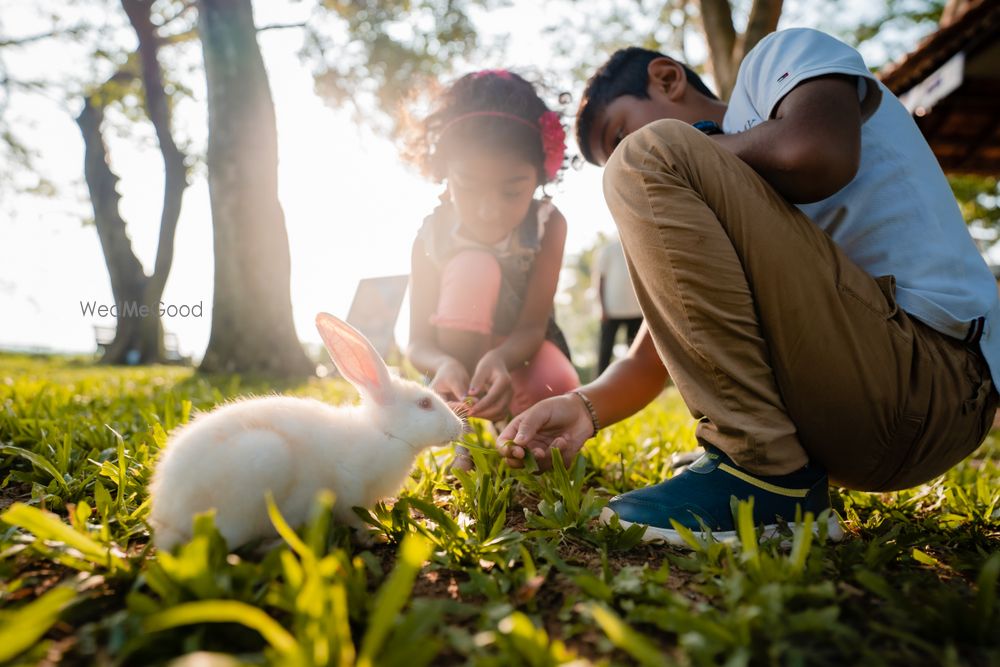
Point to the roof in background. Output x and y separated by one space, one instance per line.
951 83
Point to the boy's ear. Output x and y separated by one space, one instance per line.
666 77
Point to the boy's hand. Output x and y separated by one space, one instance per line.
561 423
451 381
491 374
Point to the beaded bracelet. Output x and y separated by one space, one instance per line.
590 409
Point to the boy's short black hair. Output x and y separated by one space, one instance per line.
625 73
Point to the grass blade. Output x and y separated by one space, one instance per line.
122 468
47 526
227 611
747 532
625 638
39 462
21 628
286 532
986 595
392 596
801 542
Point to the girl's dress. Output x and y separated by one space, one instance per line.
483 288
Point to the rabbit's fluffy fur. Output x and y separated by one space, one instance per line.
227 459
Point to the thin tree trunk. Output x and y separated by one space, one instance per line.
139 330
158 108
252 326
137 339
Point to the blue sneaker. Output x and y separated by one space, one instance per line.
703 491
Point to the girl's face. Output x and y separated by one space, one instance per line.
491 192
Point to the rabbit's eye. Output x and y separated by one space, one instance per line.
424 403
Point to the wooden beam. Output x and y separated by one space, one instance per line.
980 142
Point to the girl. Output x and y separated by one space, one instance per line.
485 263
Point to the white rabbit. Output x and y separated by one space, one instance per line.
229 458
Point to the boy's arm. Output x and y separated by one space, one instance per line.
629 384
811 147
564 423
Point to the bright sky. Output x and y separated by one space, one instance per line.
351 208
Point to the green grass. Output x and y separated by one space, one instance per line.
496 567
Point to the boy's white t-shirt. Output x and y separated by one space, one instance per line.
898 215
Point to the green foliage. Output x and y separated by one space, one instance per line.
587 38
372 56
20 629
979 198
896 26
566 505
486 567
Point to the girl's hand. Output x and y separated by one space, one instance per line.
451 381
492 375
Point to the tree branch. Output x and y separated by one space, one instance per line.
179 37
158 108
764 15
717 21
185 8
281 26
23 41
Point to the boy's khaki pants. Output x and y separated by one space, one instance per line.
783 348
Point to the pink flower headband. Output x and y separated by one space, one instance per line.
548 126
502 73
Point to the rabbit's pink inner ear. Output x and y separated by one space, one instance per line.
355 357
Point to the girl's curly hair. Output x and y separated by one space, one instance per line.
429 143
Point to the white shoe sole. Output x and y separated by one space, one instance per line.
834 531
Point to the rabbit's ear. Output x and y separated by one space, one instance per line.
355 357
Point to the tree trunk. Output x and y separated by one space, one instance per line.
720 34
139 330
158 109
138 340
252 327
727 48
